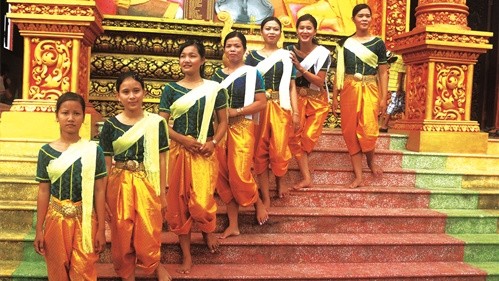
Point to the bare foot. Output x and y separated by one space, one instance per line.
162 273
266 202
375 169
211 241
230 231
355 183
262 215
282 188
186 266
305 183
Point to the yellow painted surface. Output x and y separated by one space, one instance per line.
455 142
35 125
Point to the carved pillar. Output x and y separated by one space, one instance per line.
440 53
58 36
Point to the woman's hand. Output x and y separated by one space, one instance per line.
191 144
39 243
207 149
296 121
100 241
163 206
335 106
382 106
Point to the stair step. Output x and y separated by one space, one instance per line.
316 248
18 188
337 220
435 271
16 166
362 197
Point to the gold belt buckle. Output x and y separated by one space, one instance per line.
303 92
268 94
69 211
358 77
132 165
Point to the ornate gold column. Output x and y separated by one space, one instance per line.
58 36
440 54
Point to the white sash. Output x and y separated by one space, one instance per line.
149 128
87 151
266 64
316 58
209 89
249 95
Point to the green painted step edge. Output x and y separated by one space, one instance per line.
492 269
480 247
470 221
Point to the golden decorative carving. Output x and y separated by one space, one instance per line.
396 20
112 108
53 9
51 65
149 67
33 105
104 89
155 44
437 126
424 2
416 91
450 92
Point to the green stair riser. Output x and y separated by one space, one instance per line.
471 225
429 181
454 201
481 252
423 162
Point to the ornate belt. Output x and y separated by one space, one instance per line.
361 78
271 94
130 165
236 119
307 92
66 208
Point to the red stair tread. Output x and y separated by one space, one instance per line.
319 271
283 239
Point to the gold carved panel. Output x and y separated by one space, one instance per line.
416 91
50 68
450 92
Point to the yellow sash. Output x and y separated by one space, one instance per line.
361 51
87 151
149 128
209 89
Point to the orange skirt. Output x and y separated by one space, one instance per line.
235 155
272 147
190 198
313 108
136 224
66 260
359 104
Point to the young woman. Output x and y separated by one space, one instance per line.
71 198
281 116
361 81
193 166
236 185
137 141
312 62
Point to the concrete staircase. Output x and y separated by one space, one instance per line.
431 216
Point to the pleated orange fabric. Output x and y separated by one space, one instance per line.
235 154
64 253
136 224
359 104
313 112
272 144
190 198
